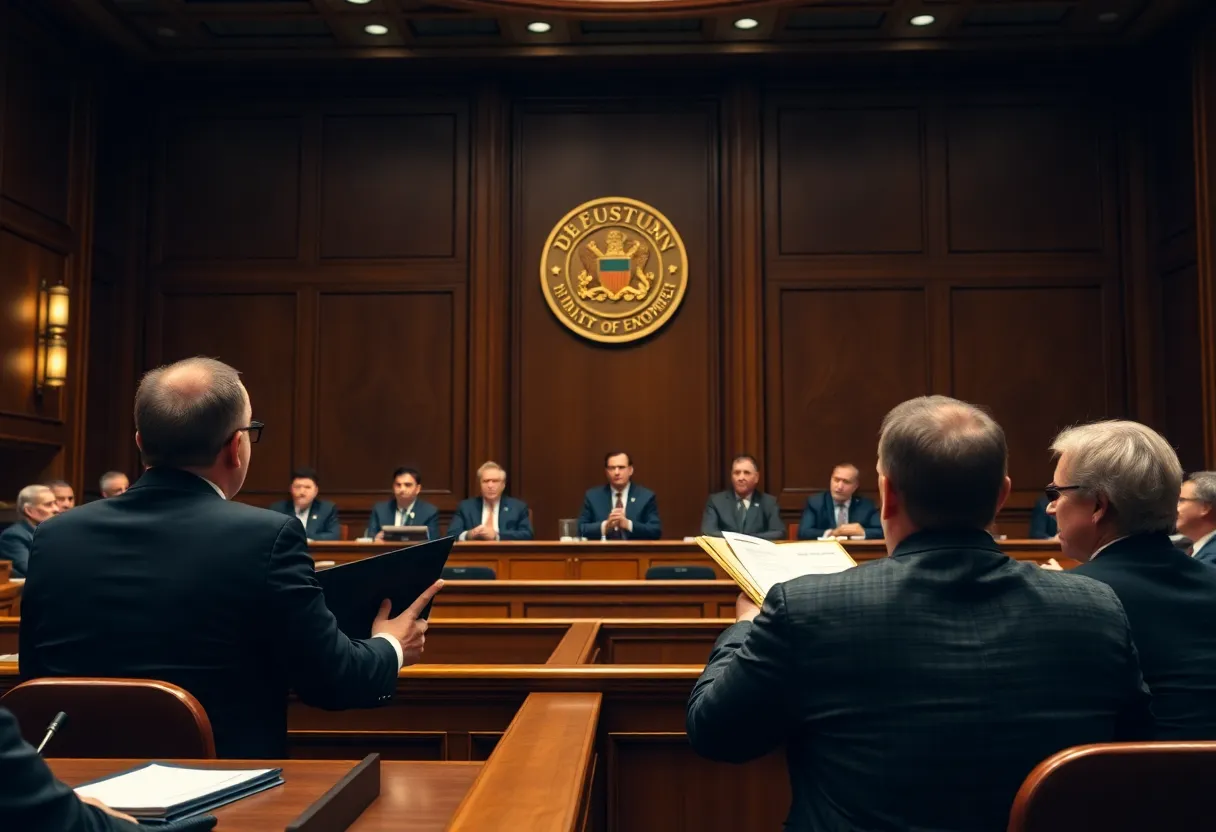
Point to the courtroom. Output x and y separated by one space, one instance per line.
607 415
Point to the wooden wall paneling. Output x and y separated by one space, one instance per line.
657 399
389 390
1006 345
742 279
394 180
834 381
1205 196
489 284
229 183
233 326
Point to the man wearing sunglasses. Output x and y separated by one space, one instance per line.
1115 496
174 581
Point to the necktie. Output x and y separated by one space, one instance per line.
489 519
618 533
740 514
842 514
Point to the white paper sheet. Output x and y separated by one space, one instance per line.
158 787
770 564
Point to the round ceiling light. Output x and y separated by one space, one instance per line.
746 23
376 29
538 27
923 20
358 2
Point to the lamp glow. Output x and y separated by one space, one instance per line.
746 23
376 29
538 27
51 360
923 20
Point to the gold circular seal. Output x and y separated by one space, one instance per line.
614 270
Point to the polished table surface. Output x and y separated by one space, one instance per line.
421 797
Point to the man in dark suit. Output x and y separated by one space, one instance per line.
620 510
1197 515
1116 498
1042 524
840 511
491 516
936 672
31 798
35 505
742 509
173 581
405 509
318 517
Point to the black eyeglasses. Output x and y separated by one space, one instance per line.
1053 491
255 431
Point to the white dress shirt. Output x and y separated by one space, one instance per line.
302 515
628 524
391 639
488 513
403 514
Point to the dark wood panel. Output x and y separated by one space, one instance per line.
255 334
23 266
230 188
1023 179
1007 347
1181 372
389 389
37 114
574 400
389 186
847 357
849 180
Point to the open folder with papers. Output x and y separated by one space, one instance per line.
160 793
757 565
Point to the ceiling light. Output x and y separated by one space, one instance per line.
923 20
376 29
1108 17
538 27
358 2
746 23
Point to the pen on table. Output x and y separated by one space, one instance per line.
56 724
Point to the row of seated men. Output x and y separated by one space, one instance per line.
911 692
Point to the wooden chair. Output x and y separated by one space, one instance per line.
1119 787
139 718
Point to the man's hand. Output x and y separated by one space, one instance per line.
97 804
849 530
407 628
616 519
379 537
1053 565
745 608
482 532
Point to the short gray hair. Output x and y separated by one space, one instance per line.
29 495
946 459
187 411
1131 465
107 478
1205 485
490 465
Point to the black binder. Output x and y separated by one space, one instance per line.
353 591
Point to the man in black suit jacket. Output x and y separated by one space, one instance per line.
173 581
937 672
840 511
1116 497
404 509
319 517
1197 515
491 516
742 509
35 505
32 799
620 510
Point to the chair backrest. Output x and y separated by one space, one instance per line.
139 718
1119 787
680 573
469 573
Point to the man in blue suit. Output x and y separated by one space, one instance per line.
35 504
619 510
839 511
491 516
319 517
405 509
1197 515
1042 524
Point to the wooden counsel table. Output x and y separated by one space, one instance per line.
610 560
418 796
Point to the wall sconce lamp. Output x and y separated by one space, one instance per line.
53 310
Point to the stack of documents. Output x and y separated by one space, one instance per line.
757 565
159 793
